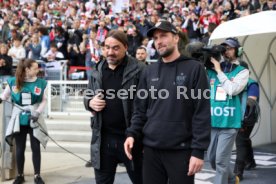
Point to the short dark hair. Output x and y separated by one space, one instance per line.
142 47
17 38
118 35
53 45
43 30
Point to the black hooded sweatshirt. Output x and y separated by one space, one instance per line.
178 121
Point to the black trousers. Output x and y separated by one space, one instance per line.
20 141
244 149
112 153
163 166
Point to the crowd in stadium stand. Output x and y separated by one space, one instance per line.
75 30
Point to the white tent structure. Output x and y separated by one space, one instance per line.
257 35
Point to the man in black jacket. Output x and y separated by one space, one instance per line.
110 98
171 113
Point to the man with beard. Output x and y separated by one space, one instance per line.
227 80
174 126
141 54
110 99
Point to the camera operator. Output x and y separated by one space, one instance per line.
227 80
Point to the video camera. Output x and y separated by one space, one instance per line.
215 51
204 53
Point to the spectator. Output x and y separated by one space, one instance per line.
77 33
183 41
175 11
5 29
5 63
13 34
153 54
17 51
191 25
44 40
34 48
244 8
53 54
141 54
256 4
73 51
205 20
134 39
211 28
185 13
61 39
228 11
92 53
102 32
80 59
142 25
269 5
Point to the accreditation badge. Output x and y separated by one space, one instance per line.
26 99
221 94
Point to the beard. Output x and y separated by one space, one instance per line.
113 61
166 52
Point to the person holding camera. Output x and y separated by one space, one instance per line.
227 81
28 93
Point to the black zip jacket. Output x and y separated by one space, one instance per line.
180 121
7 69
131 77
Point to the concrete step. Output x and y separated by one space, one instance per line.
69 117
73 101
70 135
72 132
70 103
68 124
75 147
75 109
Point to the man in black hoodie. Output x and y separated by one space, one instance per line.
171 113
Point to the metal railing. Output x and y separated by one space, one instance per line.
66 98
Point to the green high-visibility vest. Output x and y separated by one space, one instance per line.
34 90
225 112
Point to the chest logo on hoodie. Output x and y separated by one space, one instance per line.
180 79
155 79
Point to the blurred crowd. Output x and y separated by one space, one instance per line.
75 30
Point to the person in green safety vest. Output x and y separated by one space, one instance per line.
28 93
227 80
